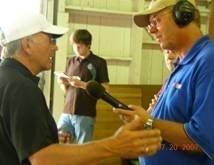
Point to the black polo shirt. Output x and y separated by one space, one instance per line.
93 67
26 125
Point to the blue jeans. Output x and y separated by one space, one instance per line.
80 127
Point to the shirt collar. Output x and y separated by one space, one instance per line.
13 63
77 58
194 50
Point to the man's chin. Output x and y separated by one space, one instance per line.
47 68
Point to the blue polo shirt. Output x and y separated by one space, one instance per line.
188 97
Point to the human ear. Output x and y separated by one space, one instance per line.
26 45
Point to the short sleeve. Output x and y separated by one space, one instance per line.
102 72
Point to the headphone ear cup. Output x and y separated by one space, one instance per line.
183 13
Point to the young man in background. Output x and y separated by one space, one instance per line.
78 117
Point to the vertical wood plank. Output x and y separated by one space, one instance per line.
122 74
126 5
93 27
112 72
156 67
113 5
146 66
100 4
75 2
135 54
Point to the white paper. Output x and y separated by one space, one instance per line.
61 74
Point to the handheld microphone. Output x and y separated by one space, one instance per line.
96 90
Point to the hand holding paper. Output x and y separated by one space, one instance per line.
74 81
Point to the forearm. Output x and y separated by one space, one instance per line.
174 133
72 153
128 141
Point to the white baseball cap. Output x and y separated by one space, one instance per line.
23 26
141 19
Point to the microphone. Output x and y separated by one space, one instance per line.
96 90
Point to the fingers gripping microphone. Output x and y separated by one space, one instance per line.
96 90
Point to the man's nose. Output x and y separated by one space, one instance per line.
55 47
151 29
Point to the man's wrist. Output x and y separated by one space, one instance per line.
107 147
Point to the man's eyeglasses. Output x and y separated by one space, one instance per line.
52 38
155 20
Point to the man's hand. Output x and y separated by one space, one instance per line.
152 103
62 80
77 83
64 137
132 141
137 112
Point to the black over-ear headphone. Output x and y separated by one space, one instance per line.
183 12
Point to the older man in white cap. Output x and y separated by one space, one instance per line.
28 133
184 111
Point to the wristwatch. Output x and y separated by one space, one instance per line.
149 123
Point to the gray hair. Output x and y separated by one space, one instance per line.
10 49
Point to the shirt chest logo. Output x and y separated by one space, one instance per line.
177 85
90 66
92 70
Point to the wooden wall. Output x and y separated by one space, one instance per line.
127 48
133 57
115 37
